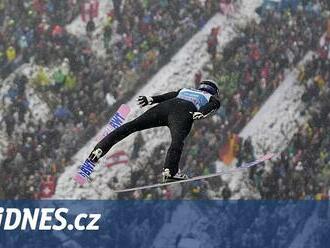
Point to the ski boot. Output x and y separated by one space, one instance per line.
167 177
166 174
180 176
95 155
87 168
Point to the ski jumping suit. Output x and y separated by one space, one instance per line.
174 111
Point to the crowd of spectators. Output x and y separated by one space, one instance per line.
27 26
302 172
74 82
28 30
147 30
77 85
263 54
248 70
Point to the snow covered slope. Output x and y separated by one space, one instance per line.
271 129
78 27
276 122
178 73
38 108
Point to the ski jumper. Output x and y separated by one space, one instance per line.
174 111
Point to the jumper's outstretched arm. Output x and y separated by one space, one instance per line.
164 97
147 100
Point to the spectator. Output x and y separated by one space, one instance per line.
212 42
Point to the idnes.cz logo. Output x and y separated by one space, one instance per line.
46 219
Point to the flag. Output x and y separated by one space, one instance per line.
119 157
228 152
47 187
89 10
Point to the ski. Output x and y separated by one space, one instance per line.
84 171
244 166
115 121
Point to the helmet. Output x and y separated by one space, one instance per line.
209 86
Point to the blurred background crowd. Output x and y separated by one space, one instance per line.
248 70
138 37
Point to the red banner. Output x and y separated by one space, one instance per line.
119 157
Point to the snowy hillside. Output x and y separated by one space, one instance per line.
276 122
78 27
37 106
271 129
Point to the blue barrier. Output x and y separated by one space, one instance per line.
160 224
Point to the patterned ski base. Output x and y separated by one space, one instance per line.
81 180
116 121
85 170
244 166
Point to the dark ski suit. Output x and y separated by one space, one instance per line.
174 111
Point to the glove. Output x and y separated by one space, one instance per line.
198 115
144 101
